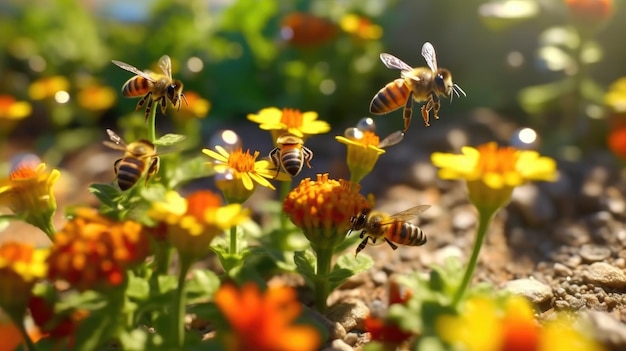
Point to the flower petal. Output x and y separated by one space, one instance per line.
214 155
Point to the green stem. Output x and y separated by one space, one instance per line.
152 121
322 286
234 247
179 304
285 188
163 258
484 219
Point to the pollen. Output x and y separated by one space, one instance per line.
492 159
370 138
242 161
292 118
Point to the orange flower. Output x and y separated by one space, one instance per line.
96 97
196 107
303 29
616 141
21 265
360 27
192 223
12 109
28 193
94 252
323 208
266 323
47 87
384 330
590 11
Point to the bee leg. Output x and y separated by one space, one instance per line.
363 243
393 246
426 110
163 104
153 169
408 111
435 105
143 100
308 155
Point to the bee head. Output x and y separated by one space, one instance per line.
175 92
359 221
443 82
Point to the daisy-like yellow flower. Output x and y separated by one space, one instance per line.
287 120
360 27
21 265
28 193
268 321
493 172
94 252
363 152
486 324
11 109
47 87
193 222
238 171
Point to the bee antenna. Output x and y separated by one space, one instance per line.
457 88
185 98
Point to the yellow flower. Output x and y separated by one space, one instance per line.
28 193
322 209
11 109
363 152
21 265
192 222
493 172
289 121
96 97
360 27
486 324
268 321
615 98
94 252
47 87
238 171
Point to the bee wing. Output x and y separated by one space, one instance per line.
393 62
391 139
166 65
407 215
115 138
133 69
428 51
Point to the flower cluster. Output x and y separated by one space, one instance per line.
268 321
94 252
192 223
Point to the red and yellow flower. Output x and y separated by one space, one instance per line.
268 321
12 109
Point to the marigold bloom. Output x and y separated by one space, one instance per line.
290 121
193 222
11 109
493 172
196 107
93 251
96 97
21 265
486 325
303 29
28 193
363 152
47 87
243 170
267 324
360 27
322 208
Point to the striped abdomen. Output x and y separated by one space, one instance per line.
292 159
405 233
136 86
129 170
390 98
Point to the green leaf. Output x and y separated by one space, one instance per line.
167 283
305 264
138 288
348 266
203 284
106 193
169 139
187 170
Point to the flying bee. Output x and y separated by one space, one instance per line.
394 229
139 158
155 86
419 84
291 154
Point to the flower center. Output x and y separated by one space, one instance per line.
292 118
369 138
199 201
242 161
496 160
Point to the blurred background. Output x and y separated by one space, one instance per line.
550 65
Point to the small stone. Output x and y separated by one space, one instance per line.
350 313
620 263
560 292
463 220
442 255
379 277
608 330
604 274
351 338
574 302
560 305
534 205
534 290
338 345
562 270
594 253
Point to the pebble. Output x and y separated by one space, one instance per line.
604 274
534 205
534 290
608 330
379 277
562 270
338 345
594 253
351 338
573 235
464 219
350 313
560 305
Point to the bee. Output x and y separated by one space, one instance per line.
394 229
291 154
139 157
158 87
419 84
